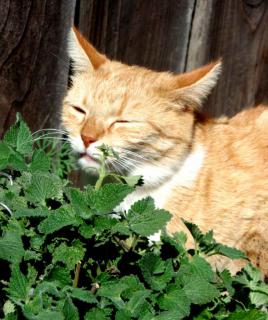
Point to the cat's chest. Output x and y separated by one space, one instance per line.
185 177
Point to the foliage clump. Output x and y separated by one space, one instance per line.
65 254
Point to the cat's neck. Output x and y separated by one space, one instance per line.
185 169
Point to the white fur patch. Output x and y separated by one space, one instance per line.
184 177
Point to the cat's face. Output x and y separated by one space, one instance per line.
146 116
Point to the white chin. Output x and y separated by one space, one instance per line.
87 163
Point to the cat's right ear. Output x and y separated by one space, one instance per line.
84 56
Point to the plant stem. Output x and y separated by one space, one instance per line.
102 174
76 275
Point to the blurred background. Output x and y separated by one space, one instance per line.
174 35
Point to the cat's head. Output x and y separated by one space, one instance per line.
146 116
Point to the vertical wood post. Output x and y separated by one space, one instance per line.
33 60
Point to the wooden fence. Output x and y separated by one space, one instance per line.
175 35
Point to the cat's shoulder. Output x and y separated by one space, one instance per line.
257 117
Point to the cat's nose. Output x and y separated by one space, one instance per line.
87 140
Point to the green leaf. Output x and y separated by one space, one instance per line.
58 219
227 279
70 311
17 162
18 285
87 231
97 314
113 292
144 219
79 204
108 197
137 302
197 267
200 291
229 252
19 137
156 272
44 186
60 275
29 212
11 246
40 162
248 315
132 181
123 315
69 255
83 295
5 153
176 300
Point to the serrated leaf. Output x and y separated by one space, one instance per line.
137 303
227 279
29 212
5 153
44 186
176 300
144 219
43 315
19 137
17 162
97 314
11 246
87 231
123 315
156 272
18 285
197 267
229 252
113 292
40 162
108 197
79 204
70 311
83 295
200 291
58 219
248 315
69 255
60 275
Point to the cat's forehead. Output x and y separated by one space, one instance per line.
115 87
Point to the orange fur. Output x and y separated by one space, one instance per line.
211 172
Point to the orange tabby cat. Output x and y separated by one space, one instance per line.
212 172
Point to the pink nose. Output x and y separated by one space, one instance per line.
87 140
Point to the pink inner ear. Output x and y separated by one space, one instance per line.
96 58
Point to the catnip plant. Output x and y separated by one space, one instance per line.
65 254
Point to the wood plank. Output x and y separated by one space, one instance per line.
237 31
151 33
33 60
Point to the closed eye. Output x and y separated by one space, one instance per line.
122 121
78 109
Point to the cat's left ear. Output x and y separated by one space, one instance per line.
192 88
85 57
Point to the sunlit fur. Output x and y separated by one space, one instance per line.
212 172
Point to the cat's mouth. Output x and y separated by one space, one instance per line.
87 157
88 161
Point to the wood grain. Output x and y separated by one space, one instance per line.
33 60
180 35
151 33
238 33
